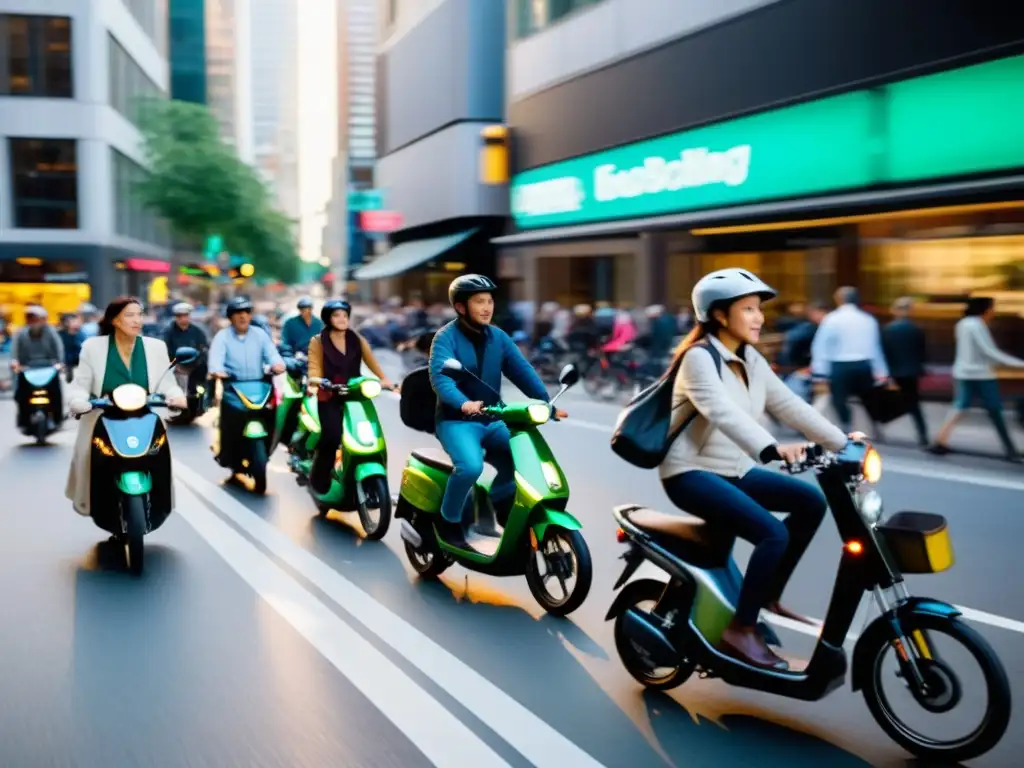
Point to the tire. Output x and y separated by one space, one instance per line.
258 467
997 715
647 591
583 572
134 510
376 488
40 431
428 561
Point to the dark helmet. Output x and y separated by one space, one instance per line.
305 303
464 286
331 306
238 304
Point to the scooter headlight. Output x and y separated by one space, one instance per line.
538 413
365 433
129 397
870 504
370 389
872 466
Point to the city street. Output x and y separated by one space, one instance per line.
261 635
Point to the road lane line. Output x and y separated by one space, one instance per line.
435 731
531 736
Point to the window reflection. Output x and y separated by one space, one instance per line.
531 16
35 56
44 180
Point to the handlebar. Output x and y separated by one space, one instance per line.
816 456
103 403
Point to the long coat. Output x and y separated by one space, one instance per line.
88 384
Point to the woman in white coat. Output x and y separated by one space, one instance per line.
118 355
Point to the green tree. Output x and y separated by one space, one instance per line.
200 186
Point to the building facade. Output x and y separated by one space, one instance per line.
439 84
70 228
187 50
229 72
654 141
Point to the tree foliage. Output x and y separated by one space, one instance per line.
200 186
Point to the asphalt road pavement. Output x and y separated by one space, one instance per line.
261 635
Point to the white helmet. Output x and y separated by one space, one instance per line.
34 310
726 285
181 308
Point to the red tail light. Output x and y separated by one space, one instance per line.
620 536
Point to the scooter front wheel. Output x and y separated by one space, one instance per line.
377 498
565 556
941 691
134 511
643 597
258 467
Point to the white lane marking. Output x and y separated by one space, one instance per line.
435 731
649 570
537 741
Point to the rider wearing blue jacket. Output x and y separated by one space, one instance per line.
488 352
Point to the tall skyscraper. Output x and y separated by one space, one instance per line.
229 72
357 53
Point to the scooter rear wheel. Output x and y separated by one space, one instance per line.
944 693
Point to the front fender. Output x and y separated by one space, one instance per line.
255 430
135 483
370 469
544 517
626 597
880 631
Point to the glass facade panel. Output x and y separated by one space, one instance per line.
532 16
188 50
129 85
35 56
44 183
151 15
131 218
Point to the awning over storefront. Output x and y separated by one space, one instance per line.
746 213
406 256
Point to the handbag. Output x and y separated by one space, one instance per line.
884 404
643 432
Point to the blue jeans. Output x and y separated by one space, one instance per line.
468 443
986 391
743 506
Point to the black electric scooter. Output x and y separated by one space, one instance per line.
664 632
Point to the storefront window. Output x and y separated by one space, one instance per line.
573 280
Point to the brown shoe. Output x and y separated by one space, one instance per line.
750 648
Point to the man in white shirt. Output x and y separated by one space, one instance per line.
847 352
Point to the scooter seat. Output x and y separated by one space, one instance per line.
440 463
691 539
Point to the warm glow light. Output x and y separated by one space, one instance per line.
837 220
872 469
854 547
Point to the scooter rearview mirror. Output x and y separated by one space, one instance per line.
185 356
569 376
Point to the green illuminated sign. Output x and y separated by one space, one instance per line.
954 123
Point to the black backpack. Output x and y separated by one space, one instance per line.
643 433
418 401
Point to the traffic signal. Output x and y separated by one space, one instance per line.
494 155
247 270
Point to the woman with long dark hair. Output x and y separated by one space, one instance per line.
974 372
711 469
120 354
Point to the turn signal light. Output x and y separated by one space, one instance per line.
854 547
620 536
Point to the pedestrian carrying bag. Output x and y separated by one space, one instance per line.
418 401
643 433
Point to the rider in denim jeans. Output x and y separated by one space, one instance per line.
488 352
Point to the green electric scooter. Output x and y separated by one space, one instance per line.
540 539
359 480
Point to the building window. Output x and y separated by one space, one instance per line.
35 56
151 15
44 182
129 85
131 217
532 16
